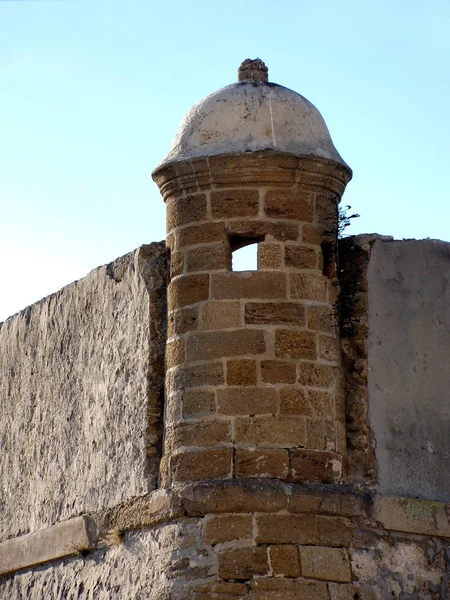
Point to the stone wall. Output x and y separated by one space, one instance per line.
81 393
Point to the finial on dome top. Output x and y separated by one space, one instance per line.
253 70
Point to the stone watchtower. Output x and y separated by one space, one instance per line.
254 385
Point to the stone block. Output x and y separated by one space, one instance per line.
275 313
315 375
290 343
314 466
200 375
226 528
224 314
204 433
185 319
278 588
278 231
315 434
329 348
286 529
181 211
248 284
335 531
306 402
270 256
246 401
326 564
284 560
206 233
63 539
295 205
309 286
234 203
266 462
176 264
175 350
241 372
300 257
243 563
208 258
218 344
313 234
233 496
221 591
198 403
277 371
188 289
321 318
281 431
202 465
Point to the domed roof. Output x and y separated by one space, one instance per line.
252 115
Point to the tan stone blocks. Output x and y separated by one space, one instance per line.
327 564
277 371
185 319
315 375
329 348
175 352
208 258
314 466
284 560
309 286
313 234
226 528
217 344
198 403
181 211
221 591
224 314
243 563
278 231
176 264
203 433
275 313
266 462
248 284
335 531
280 431
202 465
290 343
278 588
285 204
300 257
246 401
187 289
286 529
315 434
241 372
204 233
234 203
321 318
207 374
306 402
270 256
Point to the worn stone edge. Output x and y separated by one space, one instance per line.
63 539
406 515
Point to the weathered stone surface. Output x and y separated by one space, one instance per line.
408 379
84 378
164 563
55 542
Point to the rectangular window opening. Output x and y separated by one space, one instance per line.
244 253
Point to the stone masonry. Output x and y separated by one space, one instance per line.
290 457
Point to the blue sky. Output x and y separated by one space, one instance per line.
92 92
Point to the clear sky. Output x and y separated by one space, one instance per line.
92 92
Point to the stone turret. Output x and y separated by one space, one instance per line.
253 385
